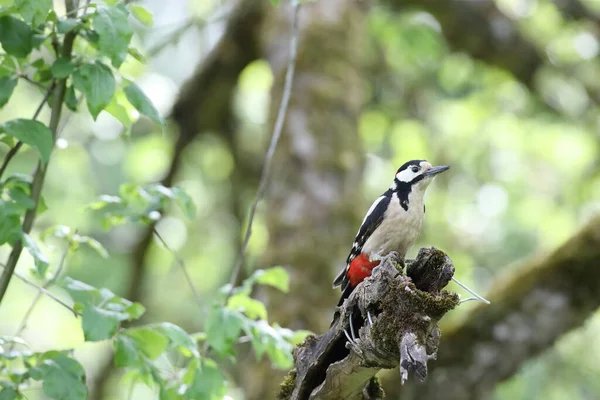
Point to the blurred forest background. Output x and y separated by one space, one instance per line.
507 92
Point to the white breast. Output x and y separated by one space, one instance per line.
399 229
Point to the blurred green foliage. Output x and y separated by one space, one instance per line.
525 175
36 41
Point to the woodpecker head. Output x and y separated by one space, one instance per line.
416 175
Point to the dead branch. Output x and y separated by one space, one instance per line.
405 312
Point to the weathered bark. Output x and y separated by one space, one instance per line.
530 309
313 196
203 105
405 310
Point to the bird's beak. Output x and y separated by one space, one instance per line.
436 170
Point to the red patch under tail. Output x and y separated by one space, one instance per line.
360 268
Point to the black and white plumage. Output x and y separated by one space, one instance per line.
392 223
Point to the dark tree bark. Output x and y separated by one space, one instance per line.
313 198
530 309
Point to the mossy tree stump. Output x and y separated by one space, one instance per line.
405 310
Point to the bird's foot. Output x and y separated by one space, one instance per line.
351 336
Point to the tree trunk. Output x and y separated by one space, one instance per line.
314 200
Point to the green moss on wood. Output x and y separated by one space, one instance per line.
287 386
409 310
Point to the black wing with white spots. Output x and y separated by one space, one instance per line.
371 221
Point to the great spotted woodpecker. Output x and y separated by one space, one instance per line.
392 223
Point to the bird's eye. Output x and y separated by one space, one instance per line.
415 169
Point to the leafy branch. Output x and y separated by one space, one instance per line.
83 50
39 174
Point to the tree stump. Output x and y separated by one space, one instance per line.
405 310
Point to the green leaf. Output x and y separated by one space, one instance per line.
206 381
70 99
223 327
276 277
34 11
42 206
93 244
126 353
62 68
96 82
102 310
135 53
142 103
7 86
149 341
67 25
99 324
7 140
16 36
135 310
252 308
64 377
179 338
39 258
185 202
117 110
9 394
10 228
21 197
142 14
112 26
33 133
18 188
58 231
272 340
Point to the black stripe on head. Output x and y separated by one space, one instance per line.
403 188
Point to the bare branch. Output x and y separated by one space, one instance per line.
266 171
34 83
183 267
38 295
43 291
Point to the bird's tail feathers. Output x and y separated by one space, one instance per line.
347 289
340 279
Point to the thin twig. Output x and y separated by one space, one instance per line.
266 170
43 291
38 295
34 83
182 266
13 151
39 174
67 118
